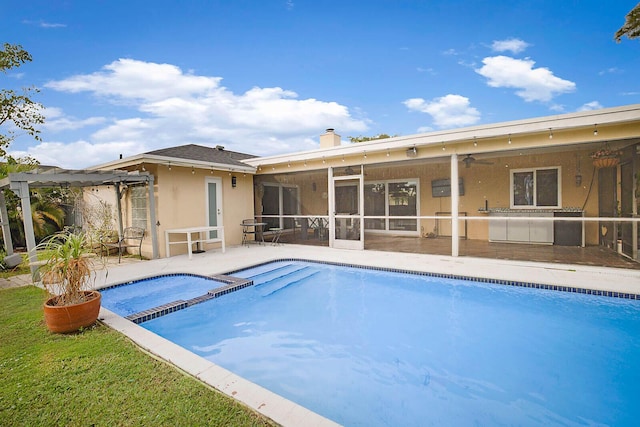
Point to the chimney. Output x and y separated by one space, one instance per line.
329 139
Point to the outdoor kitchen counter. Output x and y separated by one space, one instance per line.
540 232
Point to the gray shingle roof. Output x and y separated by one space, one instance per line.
207 154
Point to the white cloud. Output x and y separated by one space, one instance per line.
77 155
43 24
129 79
447 112
533 84
172 107
593 105
611 70
431 71
509 45
424 129
56 121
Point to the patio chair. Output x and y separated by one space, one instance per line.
250 227
131 238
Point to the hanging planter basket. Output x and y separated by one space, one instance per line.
606 162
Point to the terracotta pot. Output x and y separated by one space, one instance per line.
606 162
69 318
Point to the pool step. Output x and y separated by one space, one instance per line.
292 278
268 276
263 269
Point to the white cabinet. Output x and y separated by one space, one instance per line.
517 230
521 230
497 230
541 231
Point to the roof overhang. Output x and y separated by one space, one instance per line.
588 120
172 161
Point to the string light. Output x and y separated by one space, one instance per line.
443 147
475 142
595 130
509 139
550 134
388 153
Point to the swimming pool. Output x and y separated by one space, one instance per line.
366 347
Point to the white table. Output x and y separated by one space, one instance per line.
189 231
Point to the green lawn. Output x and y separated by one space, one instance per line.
95 378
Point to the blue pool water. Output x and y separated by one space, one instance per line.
373 348
145 294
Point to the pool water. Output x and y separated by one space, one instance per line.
374 348
144 294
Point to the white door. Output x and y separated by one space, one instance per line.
347 206
214 204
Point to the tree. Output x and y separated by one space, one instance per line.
17 111
631 27
355 139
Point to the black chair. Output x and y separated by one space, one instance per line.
131 238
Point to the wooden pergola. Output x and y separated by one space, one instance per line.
21 183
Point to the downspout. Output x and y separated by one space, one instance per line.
455 198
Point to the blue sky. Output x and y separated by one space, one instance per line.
269 76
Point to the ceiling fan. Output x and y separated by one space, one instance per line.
469 159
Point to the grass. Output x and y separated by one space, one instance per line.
95 378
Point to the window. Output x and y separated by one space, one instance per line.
391 198
139 207
280 199
535 188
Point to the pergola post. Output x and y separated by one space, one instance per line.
21 189
4 220
119 209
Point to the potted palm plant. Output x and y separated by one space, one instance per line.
67 275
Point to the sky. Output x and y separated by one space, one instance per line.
267 77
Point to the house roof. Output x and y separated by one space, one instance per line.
190 155
207 154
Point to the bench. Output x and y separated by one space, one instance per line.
131 238
202 235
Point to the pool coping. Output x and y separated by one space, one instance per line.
284 411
